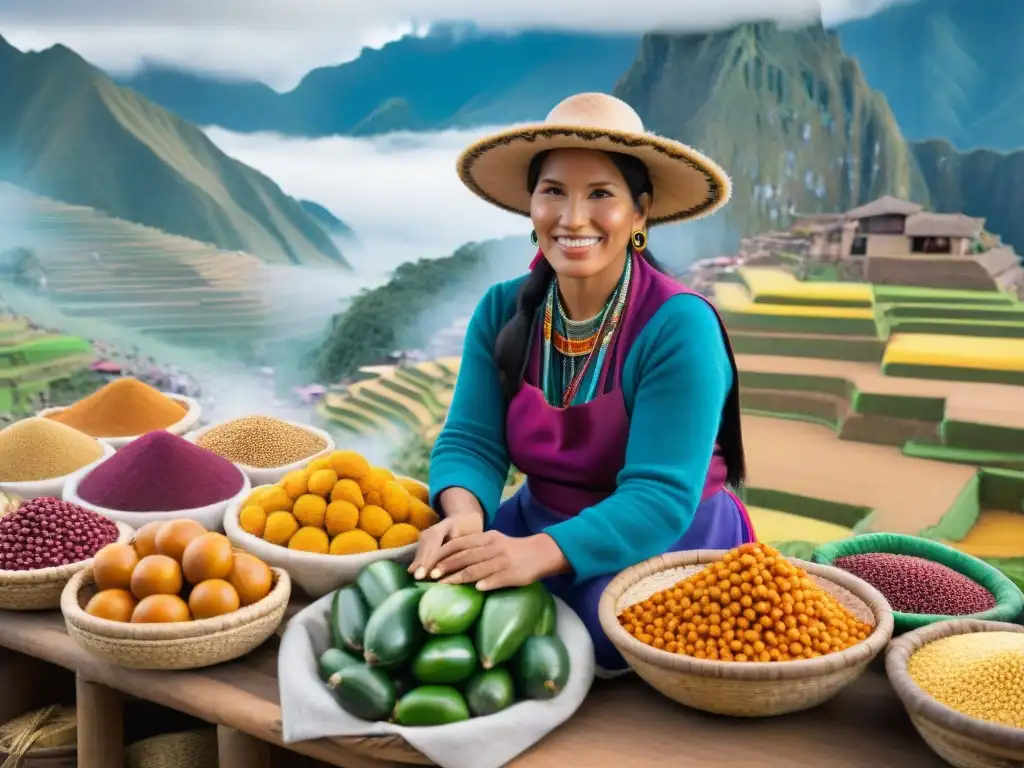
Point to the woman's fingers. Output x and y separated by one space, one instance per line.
463 559
431 541
454 546
474 573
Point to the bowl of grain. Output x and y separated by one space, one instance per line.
125 410
38 457
962 685
745 632
265 448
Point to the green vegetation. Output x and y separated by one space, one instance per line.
68 132
421 298
35 364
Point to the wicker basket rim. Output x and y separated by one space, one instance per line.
927 707
860 653
195 434
75 615
60 572
192 410
1009 599
297 555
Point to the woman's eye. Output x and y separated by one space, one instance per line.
600 193
552 191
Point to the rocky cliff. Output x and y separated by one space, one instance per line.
788 115
979 183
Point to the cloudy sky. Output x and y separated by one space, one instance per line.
278 41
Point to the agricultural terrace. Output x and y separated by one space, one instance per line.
169 287
849 425
32 361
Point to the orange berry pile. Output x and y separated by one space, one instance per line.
752 605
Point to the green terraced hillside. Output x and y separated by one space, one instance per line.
32 362
169 287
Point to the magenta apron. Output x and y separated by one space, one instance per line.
572 456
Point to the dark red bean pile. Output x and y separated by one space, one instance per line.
47 532
916 585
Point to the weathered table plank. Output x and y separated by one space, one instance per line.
622 719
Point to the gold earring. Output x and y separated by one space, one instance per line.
533 237
639 240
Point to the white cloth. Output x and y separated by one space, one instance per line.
310 711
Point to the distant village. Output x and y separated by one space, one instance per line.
886 242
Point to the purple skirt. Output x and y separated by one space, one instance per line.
718 523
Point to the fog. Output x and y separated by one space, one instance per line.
401 195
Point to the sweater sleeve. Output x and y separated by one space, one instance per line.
680 374
471 452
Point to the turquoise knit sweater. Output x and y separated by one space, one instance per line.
675 380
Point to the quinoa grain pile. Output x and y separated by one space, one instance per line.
262 442
40 449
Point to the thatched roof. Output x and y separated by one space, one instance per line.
884 206
943 225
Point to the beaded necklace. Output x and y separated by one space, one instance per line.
578 343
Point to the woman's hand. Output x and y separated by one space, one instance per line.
492 560
463 517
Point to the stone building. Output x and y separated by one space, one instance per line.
896 242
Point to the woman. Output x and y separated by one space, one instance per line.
609 385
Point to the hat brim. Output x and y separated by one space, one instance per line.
687 185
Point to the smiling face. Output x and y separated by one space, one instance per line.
584 213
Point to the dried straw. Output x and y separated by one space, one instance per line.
48 728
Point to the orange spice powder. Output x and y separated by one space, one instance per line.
125 407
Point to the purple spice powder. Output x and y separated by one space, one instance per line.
161 472
916 585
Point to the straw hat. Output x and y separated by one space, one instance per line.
687 185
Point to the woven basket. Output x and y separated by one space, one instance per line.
179 645
317 575
40 590
45 738
962 741
1009 600
742 689
187 749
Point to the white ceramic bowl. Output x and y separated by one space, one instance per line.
210 516
317 575
192 414
262 475
53 486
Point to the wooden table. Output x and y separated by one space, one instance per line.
622 722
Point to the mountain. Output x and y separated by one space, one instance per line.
949 68
331 223
69 133
785 111
979 183
448 78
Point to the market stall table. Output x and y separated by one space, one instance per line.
622 719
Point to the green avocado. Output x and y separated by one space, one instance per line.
445 660
349 614
394 634
431 705
542 667
364 692
490 691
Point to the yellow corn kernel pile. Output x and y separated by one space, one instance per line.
979 675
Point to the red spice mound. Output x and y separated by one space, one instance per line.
161 472
47 532
916 585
